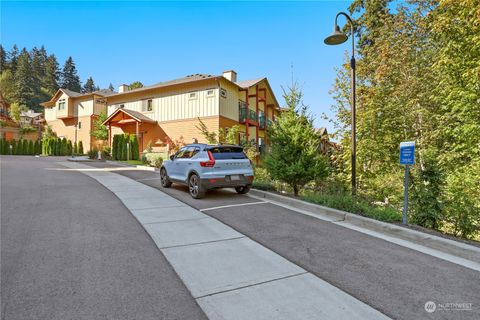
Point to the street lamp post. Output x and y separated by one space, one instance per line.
338 37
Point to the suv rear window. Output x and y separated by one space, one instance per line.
223 153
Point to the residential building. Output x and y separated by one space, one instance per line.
71 115
31 117
326 146
168 112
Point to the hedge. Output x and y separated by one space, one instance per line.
120 151
58 147
19 147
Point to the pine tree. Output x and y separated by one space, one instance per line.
70 78
3 59
294 157
52 73
110 87
24 81
89 86
13 58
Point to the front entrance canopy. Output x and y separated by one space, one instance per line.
124 118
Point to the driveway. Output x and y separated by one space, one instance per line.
395 280
71 250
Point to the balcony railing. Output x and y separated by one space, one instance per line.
261 120
252 115
242 115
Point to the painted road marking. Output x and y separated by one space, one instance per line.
234 205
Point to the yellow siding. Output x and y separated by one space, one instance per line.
175 105
229 105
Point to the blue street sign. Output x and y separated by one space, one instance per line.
407 152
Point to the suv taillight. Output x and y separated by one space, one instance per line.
210 162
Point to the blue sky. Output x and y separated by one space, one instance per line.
153 41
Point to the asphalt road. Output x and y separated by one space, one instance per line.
71 250
393 279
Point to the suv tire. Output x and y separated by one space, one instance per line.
243 189
166 183
195 187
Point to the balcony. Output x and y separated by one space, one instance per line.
245 113
261 120
252 115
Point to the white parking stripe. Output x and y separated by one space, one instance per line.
234 205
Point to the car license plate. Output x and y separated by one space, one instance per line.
235 177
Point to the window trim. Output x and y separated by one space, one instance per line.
212 95
194 97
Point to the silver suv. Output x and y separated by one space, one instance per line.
202 167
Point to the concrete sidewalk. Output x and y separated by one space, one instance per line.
230 275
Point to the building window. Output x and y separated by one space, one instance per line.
147 105
192 95
223 93
79 125
210 93
61 104
120 106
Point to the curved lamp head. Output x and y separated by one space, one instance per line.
337 37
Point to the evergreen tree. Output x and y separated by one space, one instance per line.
80 147
13 149
24 81
64 147
35 147
89 86
69 148
24 147
70 78
294 157
115 147
3 59
110 87
75 148
52 73
31 149
13 58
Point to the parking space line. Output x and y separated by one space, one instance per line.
233 205
147 179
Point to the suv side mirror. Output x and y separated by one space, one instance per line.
172 157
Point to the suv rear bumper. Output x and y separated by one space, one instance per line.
212 183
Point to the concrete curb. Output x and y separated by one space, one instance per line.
146 168
452 247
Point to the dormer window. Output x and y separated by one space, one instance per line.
61 104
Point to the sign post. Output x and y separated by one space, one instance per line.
407 158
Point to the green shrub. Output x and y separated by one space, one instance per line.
80 147
106 152
14 147
75 148
92 153
31 149
69 148
153 159
354 205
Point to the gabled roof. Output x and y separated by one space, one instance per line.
73 94
30 114
248 83
138 116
